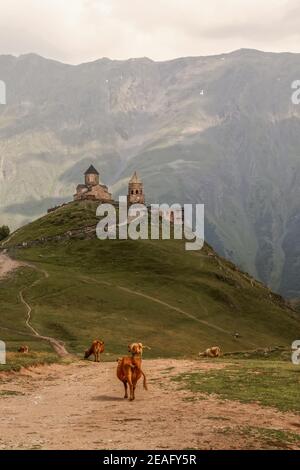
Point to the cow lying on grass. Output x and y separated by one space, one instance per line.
96 349
23 349
129 369
215 351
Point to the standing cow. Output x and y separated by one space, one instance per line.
129 369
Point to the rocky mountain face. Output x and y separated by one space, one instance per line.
219 130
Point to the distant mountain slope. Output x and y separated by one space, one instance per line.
220 130
175 301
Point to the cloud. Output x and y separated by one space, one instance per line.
80 30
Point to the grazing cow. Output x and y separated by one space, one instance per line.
129 372
215 351
137 348
23 349
97 348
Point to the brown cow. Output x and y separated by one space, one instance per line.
129 371
137 348
215 351
97 348
23 349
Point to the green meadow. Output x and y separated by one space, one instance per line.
175 301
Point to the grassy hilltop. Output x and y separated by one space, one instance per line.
175 301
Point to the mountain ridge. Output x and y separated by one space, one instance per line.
234 148
242 50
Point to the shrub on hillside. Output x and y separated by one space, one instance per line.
4 232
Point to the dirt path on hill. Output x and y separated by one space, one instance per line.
58 345
165 304
81 406
7 266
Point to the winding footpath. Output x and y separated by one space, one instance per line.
8 265
165 304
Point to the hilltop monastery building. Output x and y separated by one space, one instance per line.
93 190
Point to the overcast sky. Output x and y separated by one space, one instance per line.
77 31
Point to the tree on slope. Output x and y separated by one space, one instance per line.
4 232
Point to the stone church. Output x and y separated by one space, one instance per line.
93 190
